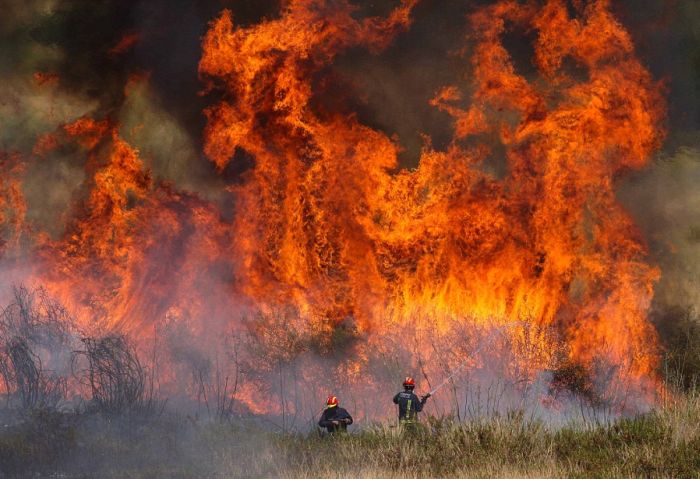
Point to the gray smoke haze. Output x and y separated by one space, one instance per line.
665 199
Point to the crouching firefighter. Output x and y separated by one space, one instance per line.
409 404
334 418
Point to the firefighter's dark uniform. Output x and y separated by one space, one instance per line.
409 406
336 413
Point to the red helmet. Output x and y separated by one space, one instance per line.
409 382
332 401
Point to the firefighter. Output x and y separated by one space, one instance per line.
408 402
334 417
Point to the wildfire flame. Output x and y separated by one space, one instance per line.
329 225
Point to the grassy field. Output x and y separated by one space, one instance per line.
665 443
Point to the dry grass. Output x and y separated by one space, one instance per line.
664 443
489 471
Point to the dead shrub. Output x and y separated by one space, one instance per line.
34 330
117 380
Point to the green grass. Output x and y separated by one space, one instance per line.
664 443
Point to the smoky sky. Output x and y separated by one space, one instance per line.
79 40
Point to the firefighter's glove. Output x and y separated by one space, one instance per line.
425 398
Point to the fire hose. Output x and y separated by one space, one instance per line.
464 363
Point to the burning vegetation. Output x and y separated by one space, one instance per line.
328 225
201 242
328 265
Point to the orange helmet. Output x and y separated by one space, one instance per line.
332 401
409 382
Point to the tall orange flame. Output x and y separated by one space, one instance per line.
134 250
328 225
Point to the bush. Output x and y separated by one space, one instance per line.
31 326
115 376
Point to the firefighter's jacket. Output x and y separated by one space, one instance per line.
409 405
336 413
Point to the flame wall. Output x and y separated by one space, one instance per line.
289 215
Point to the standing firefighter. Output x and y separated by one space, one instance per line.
409 404
334 417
